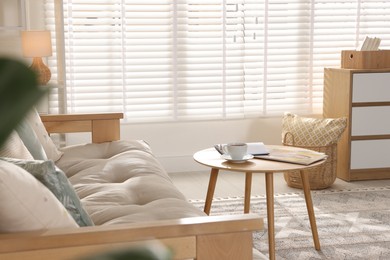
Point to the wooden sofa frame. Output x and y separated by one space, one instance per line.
202 238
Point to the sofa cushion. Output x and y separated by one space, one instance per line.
56 181
15 148
30 140
26 204
36 124
122 182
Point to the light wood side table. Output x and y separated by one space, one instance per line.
211 158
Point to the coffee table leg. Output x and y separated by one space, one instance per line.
210 190
248 188
310 210
269 188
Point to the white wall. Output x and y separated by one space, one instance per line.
175 143
10 44
9 37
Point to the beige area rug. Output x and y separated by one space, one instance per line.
352 224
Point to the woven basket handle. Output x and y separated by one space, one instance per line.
292 138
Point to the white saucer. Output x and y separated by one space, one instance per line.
228 158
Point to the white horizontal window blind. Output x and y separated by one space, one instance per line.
165 60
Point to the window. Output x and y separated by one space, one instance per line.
166 60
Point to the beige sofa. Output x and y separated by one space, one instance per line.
130 199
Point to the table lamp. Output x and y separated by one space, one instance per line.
37 44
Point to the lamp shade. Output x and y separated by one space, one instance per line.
36 44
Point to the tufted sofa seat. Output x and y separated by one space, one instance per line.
122 182
117 192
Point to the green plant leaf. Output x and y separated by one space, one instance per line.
19 91
142 252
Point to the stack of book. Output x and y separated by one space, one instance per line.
370 44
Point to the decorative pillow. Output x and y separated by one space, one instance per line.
303 131
56 181
30 140
26 204
50 148
15 148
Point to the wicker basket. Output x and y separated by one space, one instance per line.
320 177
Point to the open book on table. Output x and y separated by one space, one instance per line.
297 156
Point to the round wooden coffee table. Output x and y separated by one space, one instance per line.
211 158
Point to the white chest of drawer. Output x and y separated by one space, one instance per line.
363 96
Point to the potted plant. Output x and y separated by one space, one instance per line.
19 91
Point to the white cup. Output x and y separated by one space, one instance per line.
237 151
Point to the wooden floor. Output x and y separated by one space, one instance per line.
230 184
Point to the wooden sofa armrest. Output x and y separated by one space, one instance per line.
201 238
104 127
